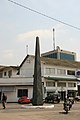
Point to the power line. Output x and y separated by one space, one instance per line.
44 15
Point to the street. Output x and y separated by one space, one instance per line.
14 111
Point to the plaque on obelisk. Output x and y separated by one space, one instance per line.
37 83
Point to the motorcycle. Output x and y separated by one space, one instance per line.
70 105
67 106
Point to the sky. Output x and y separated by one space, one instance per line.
19 28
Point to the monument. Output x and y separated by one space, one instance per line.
37 99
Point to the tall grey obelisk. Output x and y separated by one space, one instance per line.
37 84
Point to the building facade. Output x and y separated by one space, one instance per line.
60 54
57 76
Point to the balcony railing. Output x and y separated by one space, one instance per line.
16 81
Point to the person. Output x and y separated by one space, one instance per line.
65 102
4 98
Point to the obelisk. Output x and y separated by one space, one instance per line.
37 83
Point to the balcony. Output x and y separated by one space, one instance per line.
16 81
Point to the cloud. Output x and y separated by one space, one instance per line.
43 34
64 38
8 54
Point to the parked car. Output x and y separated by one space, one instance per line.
24 99
54 97
77 98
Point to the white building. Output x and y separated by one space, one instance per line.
57 76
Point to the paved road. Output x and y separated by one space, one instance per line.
15 112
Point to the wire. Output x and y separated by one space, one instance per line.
44 15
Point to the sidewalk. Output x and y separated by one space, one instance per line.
16 106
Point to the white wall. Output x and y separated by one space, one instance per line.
27 69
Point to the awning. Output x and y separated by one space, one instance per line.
58 79
7 89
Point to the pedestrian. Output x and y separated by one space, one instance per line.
4 98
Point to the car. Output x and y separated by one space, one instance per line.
77 98
24 100
53 97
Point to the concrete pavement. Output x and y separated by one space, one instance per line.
15 112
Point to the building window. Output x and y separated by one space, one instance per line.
50 84
65 56
53 55
1 75
70 72
5 73
61 72
61 84
50 71
71 84
22 92
10 73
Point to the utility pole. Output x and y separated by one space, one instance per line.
26 49
53 40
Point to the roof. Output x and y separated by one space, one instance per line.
48 61
8 67
58 50
24 60
59 78
1 66
63 63
55 62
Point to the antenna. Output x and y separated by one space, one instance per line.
26 49
53 40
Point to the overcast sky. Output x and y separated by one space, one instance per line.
19 28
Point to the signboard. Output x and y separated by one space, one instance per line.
78 73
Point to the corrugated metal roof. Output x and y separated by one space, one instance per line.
8 67
63 63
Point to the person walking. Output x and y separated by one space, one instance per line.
4 98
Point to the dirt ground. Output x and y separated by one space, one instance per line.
14 111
